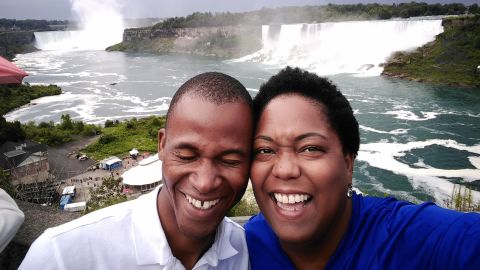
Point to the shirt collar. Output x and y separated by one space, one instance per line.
222 248
151 245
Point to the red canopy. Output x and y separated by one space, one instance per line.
9 73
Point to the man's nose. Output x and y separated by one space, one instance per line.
206 178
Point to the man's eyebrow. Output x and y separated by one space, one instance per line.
185 146
310 134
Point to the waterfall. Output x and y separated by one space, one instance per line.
100 22
357 47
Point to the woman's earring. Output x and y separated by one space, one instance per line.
349 191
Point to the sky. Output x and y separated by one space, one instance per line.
62 9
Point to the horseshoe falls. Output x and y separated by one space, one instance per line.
358 47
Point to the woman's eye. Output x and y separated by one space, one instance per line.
264 151
311 149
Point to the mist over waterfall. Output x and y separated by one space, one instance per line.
101 25
342 47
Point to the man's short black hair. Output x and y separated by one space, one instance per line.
294 81
214 87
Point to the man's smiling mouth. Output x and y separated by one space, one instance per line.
203 205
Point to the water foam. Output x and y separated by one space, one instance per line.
411 116
434 180
393 132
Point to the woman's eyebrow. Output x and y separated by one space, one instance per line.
263 137
310 134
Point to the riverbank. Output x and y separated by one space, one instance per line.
15 96
453 58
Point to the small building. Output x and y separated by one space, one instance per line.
145 176
133 153
26 162
75 207
69 190
110 163
64 200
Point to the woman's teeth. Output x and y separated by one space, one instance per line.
291 198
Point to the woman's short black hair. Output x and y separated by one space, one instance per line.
321 90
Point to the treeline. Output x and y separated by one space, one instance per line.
310 14
28 25
48 133
14 96
117 137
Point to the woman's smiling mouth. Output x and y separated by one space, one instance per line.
291 202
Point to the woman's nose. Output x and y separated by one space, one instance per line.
286 167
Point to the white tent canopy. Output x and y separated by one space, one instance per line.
148 171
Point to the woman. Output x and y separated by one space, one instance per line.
305 145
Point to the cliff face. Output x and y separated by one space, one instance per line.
453 58
223 42
12 43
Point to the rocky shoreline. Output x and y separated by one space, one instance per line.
453 58
221 42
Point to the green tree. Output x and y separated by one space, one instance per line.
66 122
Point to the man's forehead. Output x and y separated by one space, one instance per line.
191 103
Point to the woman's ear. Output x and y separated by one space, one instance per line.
162 137
349 163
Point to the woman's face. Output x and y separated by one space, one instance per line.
300 174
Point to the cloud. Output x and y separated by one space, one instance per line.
60 9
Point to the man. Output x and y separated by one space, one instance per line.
205 149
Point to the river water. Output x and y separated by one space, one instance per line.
417 139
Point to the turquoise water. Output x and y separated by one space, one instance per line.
417 139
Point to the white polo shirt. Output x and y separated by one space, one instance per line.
128 236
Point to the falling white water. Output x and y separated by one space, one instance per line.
344 47
101 25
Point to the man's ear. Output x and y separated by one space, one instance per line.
162 137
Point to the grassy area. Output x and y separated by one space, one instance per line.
14 96
120 137
462 200
452 59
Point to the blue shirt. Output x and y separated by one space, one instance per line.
385 234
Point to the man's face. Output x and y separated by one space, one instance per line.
206 157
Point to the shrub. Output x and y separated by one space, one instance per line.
107 138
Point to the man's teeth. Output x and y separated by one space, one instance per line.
291 198
201 205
